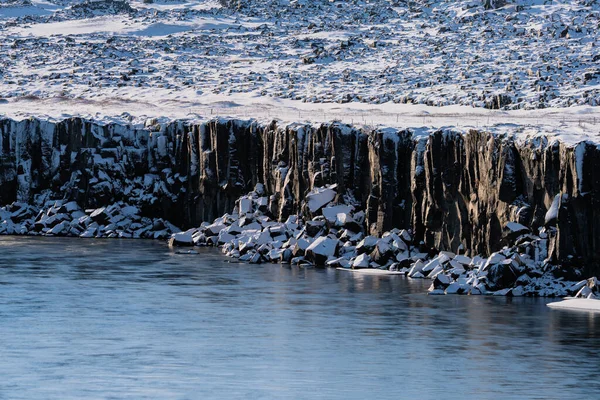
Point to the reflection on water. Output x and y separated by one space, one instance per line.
130 319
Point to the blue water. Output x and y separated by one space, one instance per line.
110 319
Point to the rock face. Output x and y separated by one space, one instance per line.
455 190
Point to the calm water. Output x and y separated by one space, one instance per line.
130 319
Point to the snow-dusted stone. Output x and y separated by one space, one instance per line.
299 248
398 243
359 217
382 253
69 207
331 213
416 268
262 203
441 281
361 261
584 292
449 255
214 229
464 260
245 206
366 245
252 226
495 258
513 230
225 237
419 256
340 262
406 236
453 288
503 292
259 189
315 228
320 197
347 222
292 223
256 258
435 272
515 227
182 238
59 229
432 264
403 257
274 255
296 260
321 249
286 255
246 257
161 146
262 238
277 230
89 233
100 215
264 248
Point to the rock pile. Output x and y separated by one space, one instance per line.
332 233
60 218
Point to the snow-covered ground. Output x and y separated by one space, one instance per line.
570 125
359 61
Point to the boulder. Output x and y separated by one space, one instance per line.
320 197
321 249
182 239
501 276
361 261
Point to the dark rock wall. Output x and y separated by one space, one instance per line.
452 189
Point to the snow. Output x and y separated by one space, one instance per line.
552 213
576 304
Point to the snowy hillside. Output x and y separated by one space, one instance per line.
521 55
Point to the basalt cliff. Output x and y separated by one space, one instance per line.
455 190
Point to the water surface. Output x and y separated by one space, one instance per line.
125 319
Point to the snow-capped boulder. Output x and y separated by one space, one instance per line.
320 197
321 249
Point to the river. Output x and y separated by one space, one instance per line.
131 319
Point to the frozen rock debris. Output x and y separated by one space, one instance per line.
521 269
